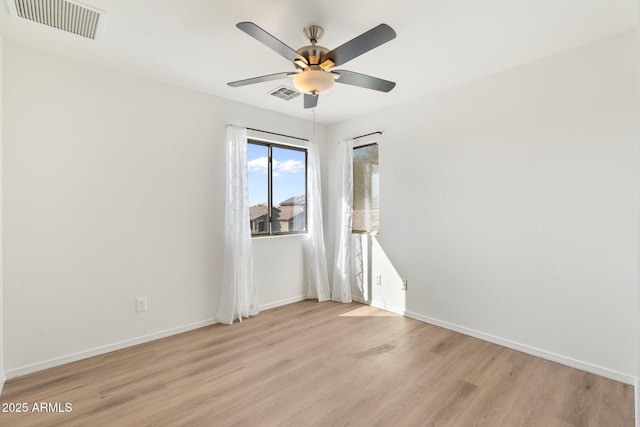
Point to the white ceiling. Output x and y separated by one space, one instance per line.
195 44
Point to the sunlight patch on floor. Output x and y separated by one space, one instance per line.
367 311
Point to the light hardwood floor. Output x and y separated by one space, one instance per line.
328 364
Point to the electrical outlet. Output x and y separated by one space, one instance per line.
141 305
378 279
404 284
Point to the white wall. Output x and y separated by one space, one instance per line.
511 206
509 203
113 189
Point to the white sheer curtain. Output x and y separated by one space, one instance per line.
238 293
314 252
343 271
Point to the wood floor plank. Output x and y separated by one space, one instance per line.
310 364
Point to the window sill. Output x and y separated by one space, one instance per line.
265 236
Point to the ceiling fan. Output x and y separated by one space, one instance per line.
314 64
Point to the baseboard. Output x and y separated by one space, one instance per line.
74 357
282 302
3 379
534 351
97 351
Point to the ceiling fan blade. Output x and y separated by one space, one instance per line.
270 41
267 78
362 80
361 44
310 101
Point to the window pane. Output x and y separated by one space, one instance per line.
366 189
258 165
289 189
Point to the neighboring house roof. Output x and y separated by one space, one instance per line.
257 211
295 200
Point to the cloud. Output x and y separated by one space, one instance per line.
258 165
288 166
279 169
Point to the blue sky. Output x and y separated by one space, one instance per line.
288 173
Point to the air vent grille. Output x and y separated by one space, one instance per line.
285 93
62 14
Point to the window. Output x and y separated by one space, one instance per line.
277 189
366 189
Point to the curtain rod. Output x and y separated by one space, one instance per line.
278 134
369 134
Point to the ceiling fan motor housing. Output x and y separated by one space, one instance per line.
313 54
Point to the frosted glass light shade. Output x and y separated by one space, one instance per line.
313 81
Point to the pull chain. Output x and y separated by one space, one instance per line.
314 120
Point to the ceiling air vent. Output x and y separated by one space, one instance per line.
285 93
64 15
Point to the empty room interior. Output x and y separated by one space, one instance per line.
319 213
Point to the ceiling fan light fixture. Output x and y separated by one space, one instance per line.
313 81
